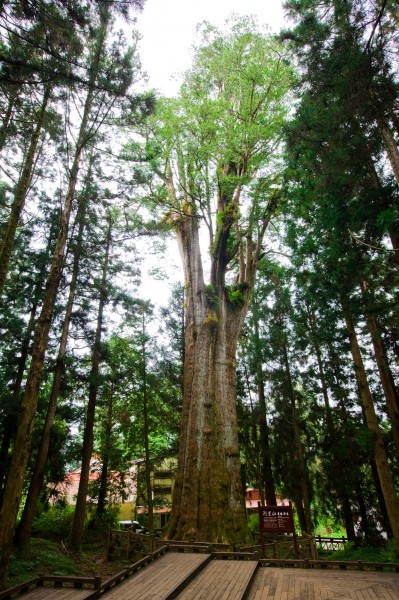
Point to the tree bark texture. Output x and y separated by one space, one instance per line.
105 455
380 456
36 482
386 377
12 418
208 503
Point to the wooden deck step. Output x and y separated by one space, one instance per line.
161 580
221 580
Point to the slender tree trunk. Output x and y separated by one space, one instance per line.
12 419
380 456
19 460
381 502
267 473
147 433
364 517
21 191
303 499
36 483
384 202
105 454
317 350
255 440
338 484
391 147
386 378
347 515
88 437
8 115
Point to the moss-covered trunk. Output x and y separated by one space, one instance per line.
209 500
208 503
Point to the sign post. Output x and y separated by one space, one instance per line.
276 519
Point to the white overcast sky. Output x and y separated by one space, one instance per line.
168 30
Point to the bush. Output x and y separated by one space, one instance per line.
385 553
55 523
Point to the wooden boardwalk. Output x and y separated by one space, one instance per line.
166 578
318 584
160 578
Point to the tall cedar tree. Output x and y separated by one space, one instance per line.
214 150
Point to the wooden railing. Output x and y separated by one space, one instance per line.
331 543
125 573
55 580
330 564
129 545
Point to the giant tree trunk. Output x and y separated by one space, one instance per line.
208 501
208 490
380 456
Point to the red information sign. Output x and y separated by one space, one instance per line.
276 519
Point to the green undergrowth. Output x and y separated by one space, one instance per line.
49 557
351 552
46 557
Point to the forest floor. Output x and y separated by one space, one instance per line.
49 557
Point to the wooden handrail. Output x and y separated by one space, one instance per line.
324 564
57 580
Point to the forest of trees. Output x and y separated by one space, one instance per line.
275 363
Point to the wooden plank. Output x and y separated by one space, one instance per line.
221 580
